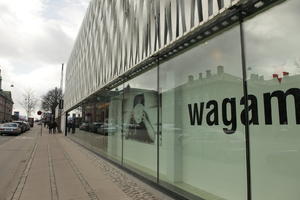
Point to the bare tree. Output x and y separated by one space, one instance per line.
29 102
51 100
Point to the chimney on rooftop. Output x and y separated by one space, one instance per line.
285 74
191 78
200 76
208 73
220 70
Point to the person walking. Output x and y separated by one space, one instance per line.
50 127
54 127
69 126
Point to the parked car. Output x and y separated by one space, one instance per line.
10 129
22 125
95 127
27 126
84 126
108 129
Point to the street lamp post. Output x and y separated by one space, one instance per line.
60 107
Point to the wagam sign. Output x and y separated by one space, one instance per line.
229 106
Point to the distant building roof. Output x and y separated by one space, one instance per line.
7 95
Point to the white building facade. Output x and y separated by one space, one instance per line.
200 97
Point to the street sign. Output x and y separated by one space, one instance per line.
39 112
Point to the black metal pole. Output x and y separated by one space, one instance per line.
158 123
41 129
41 122
66 124
247 129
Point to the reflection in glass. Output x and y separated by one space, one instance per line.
121 124
97 123
202 149
273 46
113 127
140 123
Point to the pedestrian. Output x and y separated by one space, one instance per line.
50 127
54 126
68 127
73 127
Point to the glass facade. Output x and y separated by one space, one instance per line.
203 146
140 123
273 60
183 125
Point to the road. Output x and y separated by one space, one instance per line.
15 151
4 139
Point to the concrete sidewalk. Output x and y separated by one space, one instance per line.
60 169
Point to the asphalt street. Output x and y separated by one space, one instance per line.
4 139
14 153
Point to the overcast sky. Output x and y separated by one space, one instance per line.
36 37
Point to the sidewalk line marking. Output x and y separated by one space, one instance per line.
17 193
53 186
129 186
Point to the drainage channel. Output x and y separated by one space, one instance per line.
53 186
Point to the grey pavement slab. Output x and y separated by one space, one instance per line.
106 179
60 169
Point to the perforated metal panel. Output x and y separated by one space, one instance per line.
117 35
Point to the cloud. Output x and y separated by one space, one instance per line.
271 40
36 37
51 47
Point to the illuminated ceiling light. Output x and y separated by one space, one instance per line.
259 4
207 33
225 23
215 28
234 18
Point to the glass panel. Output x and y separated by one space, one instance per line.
88 128
202 149
273 64
98 123
140 123
113 126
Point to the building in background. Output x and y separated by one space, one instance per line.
6 104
